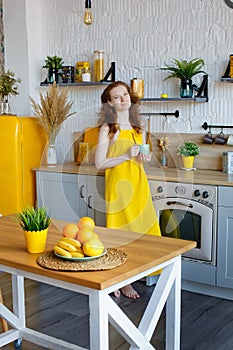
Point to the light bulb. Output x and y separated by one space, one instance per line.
88 17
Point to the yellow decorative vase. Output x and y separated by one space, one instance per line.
36 240
188 162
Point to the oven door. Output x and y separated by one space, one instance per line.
187 219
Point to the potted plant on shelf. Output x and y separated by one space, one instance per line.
52 111
188 150
35 223
185 70
53 64
8 86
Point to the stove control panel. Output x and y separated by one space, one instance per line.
198 192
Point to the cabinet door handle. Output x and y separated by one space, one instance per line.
89 202
81 191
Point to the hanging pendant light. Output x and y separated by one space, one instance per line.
88 17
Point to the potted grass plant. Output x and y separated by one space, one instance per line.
185 71
188 151
35 223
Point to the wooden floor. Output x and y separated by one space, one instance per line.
207 322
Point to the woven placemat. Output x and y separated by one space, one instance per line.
112 258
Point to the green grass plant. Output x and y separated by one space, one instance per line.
183 69
33 219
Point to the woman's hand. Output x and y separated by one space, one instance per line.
141 157
144 158
134 150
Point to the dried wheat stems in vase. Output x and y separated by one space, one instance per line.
53 110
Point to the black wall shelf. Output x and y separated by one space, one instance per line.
170 99
85 83
201 96
227 80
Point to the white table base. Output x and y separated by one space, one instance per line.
103 310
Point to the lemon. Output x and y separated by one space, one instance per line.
93 247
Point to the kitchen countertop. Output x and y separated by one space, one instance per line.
199 176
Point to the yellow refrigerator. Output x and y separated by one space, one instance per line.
22 143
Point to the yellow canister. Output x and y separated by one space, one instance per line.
137 87
83 153
98 65
81 67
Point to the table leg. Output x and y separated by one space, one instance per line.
3 321
18 297
99 333
173 312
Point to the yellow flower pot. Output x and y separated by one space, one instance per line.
188 162
36 240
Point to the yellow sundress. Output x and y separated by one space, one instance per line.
128 198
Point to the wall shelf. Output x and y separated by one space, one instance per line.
227 80
201 96
183 99
226 77
91 83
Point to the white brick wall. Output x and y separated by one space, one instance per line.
140 36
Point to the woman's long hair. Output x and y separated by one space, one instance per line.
108 114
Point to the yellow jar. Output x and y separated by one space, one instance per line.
98 65
137 86
83 153
81 67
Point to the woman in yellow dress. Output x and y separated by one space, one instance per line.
129 204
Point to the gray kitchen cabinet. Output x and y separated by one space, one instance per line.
225 237
71 196
60 194
95 187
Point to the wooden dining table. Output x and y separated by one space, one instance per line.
145 255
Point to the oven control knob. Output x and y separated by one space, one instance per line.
197 193
160 189
180 190
205 194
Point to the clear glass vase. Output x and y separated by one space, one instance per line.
51 155
163 159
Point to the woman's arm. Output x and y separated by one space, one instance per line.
101 160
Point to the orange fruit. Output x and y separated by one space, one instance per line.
86 223
93 247
85 235
70 230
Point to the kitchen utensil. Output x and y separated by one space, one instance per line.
148 139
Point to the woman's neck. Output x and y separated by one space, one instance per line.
123 120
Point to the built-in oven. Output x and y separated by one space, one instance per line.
188 211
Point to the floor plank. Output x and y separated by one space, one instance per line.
206 323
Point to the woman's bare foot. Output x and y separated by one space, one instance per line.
128 291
